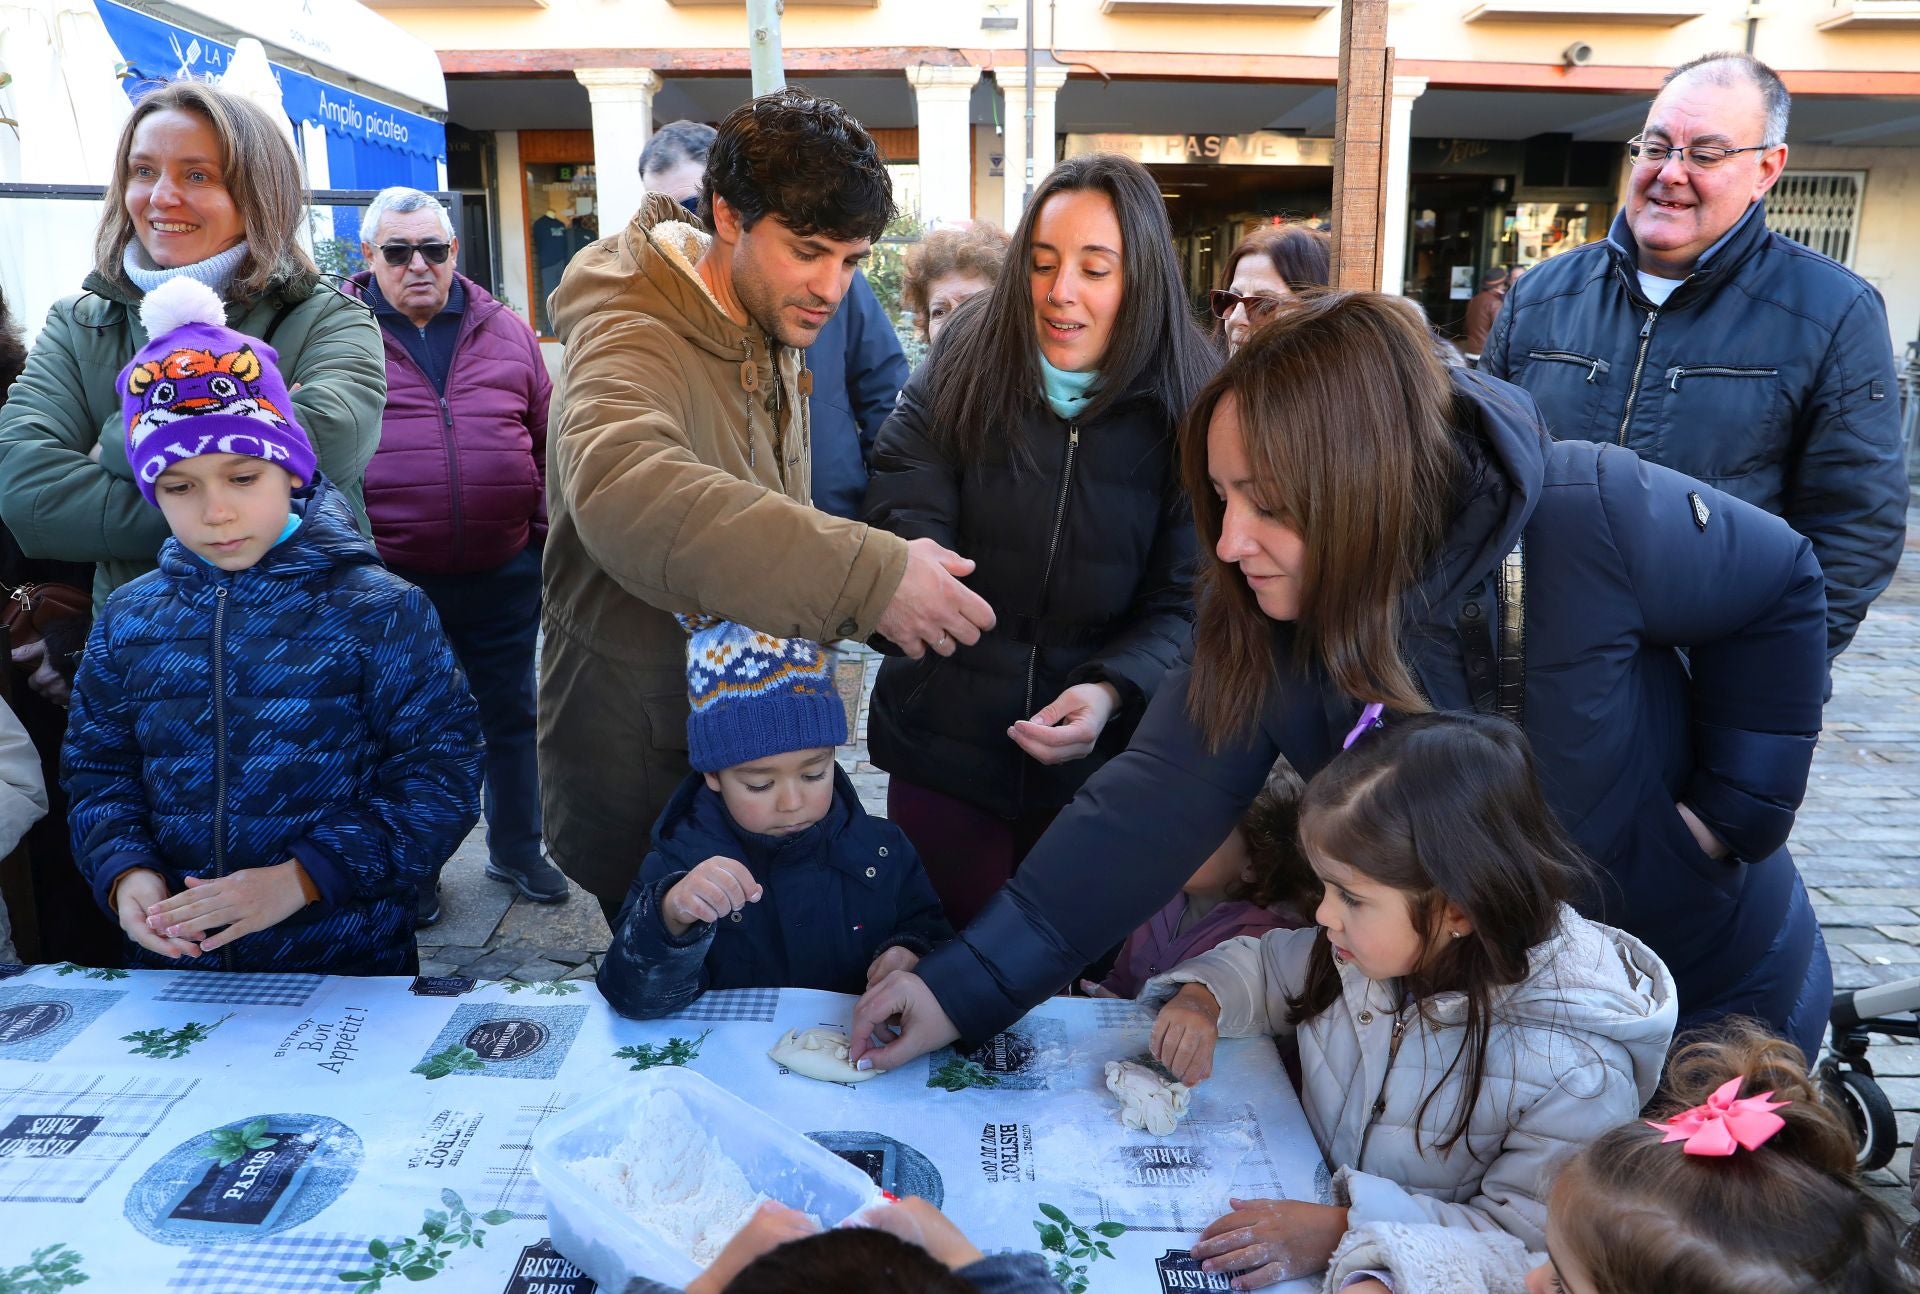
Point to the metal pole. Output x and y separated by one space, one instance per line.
763 27
1026 195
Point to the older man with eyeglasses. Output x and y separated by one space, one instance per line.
457 496
1705 342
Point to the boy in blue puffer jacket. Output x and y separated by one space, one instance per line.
766 871
271 742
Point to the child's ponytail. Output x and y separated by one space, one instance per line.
1635 1210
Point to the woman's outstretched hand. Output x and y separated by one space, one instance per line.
1068 727
903 1009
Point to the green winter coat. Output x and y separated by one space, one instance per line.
66 489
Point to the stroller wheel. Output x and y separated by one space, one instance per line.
1868 1112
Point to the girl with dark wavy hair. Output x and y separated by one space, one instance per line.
1459 1025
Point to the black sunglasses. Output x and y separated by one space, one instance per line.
402 253
1221 302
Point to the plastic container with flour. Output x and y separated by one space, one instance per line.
672 1127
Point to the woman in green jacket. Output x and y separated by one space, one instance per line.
204 186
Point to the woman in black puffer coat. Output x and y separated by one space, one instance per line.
1038 440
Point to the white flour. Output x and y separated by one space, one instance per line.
672 1176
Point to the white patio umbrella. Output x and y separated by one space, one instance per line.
92 66
49 136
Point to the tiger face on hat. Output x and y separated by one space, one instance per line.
198 387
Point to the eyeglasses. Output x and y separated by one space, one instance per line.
397 254
1221 302
1695 157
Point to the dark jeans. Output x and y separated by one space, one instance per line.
492 618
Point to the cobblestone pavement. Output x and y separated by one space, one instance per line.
1857 837
1857 840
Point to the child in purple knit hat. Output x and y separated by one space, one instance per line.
270 740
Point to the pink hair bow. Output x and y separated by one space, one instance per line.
1726 1121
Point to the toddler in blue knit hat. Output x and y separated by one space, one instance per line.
765 869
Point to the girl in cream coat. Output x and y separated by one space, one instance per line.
1460 1027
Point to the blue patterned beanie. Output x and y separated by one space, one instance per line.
754 695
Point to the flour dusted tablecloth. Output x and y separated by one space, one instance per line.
213 1133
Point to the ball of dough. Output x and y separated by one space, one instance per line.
1147 1101
821 1053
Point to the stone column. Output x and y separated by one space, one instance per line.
1393 240
622 99
943 95
1046 86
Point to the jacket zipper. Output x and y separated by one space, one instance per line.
453 474
220 746
1053 549
1406 659
1594 366
1046 584
1400 1024
446 438
1679 371
1639 363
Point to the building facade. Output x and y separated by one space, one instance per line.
1508 116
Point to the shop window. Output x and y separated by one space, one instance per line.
1538 231
1819 209
561 211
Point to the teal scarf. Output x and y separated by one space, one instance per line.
1068 393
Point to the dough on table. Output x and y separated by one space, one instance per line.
819 1052
1147 1100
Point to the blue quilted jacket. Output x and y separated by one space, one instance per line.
307 707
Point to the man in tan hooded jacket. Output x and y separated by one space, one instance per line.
679 470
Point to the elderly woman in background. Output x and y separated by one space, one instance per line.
204 186
947 267
1265 268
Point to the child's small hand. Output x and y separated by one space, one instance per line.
772 1225
917 1222
248 901
1185 1032
710 892
134 893
1090 989
893 959
1271 1240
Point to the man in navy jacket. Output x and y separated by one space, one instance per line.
1701 340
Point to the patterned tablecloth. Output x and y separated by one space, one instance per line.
239 1134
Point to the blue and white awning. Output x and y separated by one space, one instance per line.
370 143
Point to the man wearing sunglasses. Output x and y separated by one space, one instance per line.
456 494
1703 341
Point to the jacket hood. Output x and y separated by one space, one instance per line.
1504 449
327 538
695 826
648 267
1586 978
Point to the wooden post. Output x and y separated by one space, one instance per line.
1361 138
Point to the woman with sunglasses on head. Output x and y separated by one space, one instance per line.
205 186
1262 271
1386 536
1038 440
